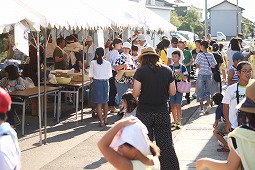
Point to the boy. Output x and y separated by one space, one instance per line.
232 73
219 124
134 51
9 146
234 94
180 73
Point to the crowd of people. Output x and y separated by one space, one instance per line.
144 85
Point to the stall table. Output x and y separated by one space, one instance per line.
30 93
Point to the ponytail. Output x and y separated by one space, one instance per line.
99 55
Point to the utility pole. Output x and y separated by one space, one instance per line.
237 30
206 19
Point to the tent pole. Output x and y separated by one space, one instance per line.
45 96
83 66
39 89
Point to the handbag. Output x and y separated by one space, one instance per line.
183 86
215 71
241 116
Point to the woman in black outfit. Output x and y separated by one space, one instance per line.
153 83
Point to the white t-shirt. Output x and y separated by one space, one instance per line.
230 98
9 157
100 72
171 50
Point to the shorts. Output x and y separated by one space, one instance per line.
221 128
176 99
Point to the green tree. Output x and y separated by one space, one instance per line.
175 19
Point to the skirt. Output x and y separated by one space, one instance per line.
100 91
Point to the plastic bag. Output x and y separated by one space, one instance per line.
29 83
52 79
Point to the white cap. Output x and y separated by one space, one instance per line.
141 37
135 135
126 45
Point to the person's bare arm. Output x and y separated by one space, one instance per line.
231 73
117 160
118 68
172 89
233 162
136 88
226 116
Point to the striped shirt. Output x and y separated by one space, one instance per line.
204 67
235 78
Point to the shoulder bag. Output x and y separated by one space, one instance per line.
183 86
241 116
216 72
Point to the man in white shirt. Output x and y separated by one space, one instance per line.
142 42
174 47
90 49
9 146
235 93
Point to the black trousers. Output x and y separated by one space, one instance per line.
188 94
113 90
159 127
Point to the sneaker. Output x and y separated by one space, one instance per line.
174 124
178 125
201 111
208 109
194 95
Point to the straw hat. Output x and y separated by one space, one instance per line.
147 51
89 38
248 103
135 135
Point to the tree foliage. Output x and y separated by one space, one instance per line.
188 21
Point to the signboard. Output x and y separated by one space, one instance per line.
21 38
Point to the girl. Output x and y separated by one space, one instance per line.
129 104
135 150
112 57
99 73
12 82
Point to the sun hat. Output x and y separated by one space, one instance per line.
5 101
126 45
141 37
89 38
135 135
248 103
147 51
237 56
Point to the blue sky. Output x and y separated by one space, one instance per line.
248 5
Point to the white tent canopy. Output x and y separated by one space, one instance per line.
12 12
125 13
68 14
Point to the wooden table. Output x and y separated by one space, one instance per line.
65 88
30 93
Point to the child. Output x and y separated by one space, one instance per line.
232 72
134 52
180 73
129 104
219 124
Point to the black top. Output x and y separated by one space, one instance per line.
154 87
218 58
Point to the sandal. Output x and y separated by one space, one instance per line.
101 124
223 149
105 122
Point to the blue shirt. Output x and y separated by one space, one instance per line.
219 112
